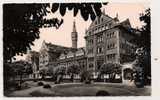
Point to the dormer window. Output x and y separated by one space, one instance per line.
106 26
109 25
101 19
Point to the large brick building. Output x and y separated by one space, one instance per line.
108 41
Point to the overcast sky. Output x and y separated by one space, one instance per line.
62 36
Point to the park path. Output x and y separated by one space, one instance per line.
24 93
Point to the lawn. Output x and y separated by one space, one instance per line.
80 89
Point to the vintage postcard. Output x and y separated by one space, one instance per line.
77 49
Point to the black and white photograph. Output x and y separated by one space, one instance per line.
79 49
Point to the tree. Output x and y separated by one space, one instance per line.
110 69
22 68
86 76
145 43
73 70
9 73
59 71
145 30
43 72
117 68
106 69
22 28
19 68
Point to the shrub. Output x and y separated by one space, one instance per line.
40 84
88 82
34 80
86 75
47 86
56 82
102 93
26 85
18 87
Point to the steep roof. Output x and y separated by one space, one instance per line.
105 17
127 27
58 48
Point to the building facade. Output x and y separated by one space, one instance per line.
109 41
51 55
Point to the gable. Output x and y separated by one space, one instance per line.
100 20
70 54
43 46
126 23
62 56
80 52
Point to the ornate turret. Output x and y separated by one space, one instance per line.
74 36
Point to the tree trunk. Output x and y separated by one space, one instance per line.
113 77
72 77
20 80
43 76
59 77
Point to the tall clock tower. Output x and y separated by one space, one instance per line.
74 36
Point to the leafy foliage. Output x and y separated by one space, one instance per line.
40 84
22 67
8 70
111 69
86 75
47 86
86 9
145 38
43 72
60 70
58 73
143 62
73 69
145 43
22 28
21 23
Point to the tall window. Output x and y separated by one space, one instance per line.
90 42
90 51
100 38
100 50
111 57
111 35
111 46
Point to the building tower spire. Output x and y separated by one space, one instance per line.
117 15
74 26
74 36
